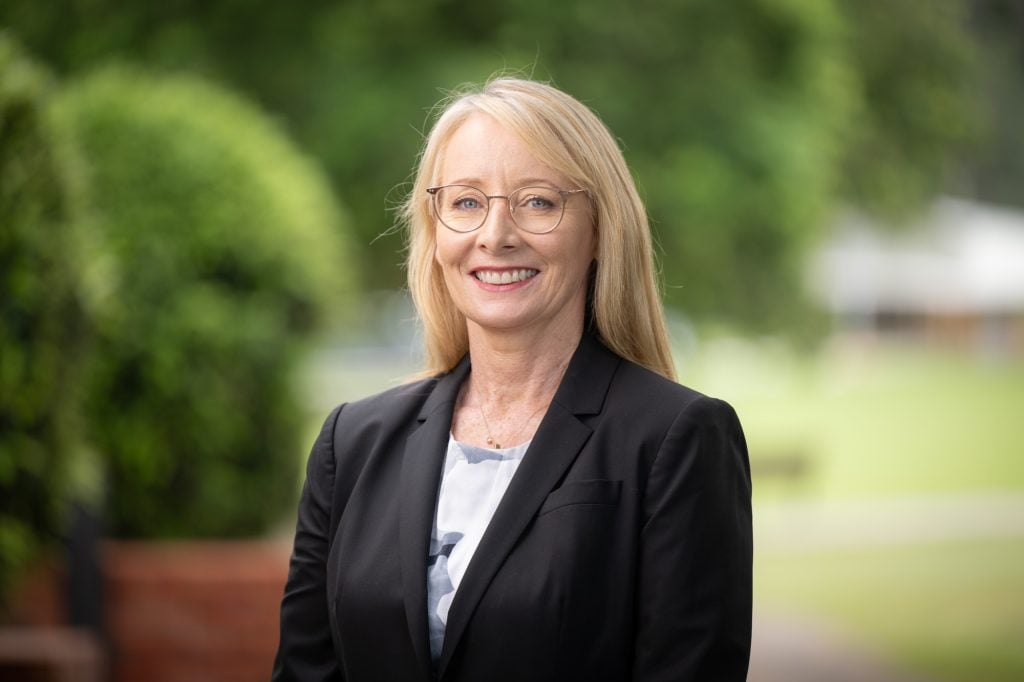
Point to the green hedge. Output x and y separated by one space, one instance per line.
226 253
42 321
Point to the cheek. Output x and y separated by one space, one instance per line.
442 253
447 251
583 254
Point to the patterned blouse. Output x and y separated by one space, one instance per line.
472 485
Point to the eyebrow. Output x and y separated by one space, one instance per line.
524 182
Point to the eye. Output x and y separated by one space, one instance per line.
466 203
537 201
462 199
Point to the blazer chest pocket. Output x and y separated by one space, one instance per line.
582 492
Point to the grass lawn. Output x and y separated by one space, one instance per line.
879 422
883 423
954 611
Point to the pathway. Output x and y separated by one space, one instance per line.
834 524
791 649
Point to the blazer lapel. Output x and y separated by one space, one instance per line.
559 439
421 474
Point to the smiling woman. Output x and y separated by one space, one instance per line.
483 268
547 503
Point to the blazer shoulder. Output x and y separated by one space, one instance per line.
397 399
664 395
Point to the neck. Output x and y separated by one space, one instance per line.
518 370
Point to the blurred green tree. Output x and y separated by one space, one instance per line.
746 122
229 253
916 66
993 170
42 312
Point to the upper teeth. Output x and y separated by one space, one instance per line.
505 276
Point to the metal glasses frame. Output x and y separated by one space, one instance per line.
432 191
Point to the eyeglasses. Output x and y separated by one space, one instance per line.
464 208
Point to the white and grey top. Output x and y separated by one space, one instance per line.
472 485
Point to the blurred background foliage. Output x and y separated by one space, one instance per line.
167 254
43 325
746 122
225 251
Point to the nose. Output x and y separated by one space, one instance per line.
499 231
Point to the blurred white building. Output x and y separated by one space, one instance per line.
955 278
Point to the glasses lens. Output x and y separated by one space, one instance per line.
537 209
460 207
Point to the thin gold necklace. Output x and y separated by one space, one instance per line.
490 437
491 440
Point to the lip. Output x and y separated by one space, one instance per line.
495 273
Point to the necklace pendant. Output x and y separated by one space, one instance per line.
490 441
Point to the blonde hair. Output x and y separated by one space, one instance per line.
561 132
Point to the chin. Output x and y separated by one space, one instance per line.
499 322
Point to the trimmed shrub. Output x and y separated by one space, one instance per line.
228 254
41 315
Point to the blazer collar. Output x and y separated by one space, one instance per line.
422 462
446 391
558 440
585 384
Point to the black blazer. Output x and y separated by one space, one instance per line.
621 550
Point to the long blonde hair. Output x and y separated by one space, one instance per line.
568 137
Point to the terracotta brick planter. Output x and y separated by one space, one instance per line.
197 611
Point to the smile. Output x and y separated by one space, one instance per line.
505 276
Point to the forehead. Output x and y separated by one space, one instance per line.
483 151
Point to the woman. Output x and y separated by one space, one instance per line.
620 549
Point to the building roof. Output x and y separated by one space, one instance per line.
961 257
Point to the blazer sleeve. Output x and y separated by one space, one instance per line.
305 652
694 591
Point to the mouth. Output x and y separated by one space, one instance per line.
505 276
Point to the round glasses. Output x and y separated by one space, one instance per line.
464 208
